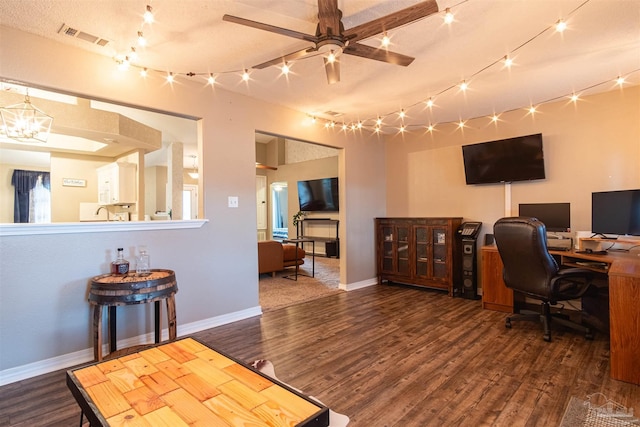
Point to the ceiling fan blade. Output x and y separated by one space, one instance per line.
378 54
283 59
271 28
393 20
333 70
329 17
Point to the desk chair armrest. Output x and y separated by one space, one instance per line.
571 282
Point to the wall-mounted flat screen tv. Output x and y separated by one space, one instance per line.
319 195
555 216
616 212
505 160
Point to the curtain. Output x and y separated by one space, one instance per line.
25 202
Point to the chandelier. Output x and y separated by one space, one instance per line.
25 123
194 173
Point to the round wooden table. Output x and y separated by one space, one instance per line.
110 290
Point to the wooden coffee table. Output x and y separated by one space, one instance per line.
186 383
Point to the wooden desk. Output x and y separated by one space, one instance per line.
186 383
110 290
623 272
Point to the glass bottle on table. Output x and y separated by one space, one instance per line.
143 262
120 266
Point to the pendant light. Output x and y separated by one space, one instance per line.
25 123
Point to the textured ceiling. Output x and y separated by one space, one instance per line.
602 41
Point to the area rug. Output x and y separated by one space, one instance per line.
597 411
279 292
267 368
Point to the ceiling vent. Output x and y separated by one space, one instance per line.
332 113
72 32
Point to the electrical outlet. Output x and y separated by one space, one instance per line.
233 201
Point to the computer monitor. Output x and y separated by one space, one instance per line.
555 216
616 212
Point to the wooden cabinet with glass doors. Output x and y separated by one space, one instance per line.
418 251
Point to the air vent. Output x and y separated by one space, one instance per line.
75 33
332 113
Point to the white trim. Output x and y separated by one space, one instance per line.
359 285
96 227
63 361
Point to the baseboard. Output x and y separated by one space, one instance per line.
63 361
358 285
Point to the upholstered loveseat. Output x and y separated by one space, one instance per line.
274 256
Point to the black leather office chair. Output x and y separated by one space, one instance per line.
531 270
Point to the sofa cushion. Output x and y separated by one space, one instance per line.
289 253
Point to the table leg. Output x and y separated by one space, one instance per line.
112 329
171 317
97 332
313 258
157 321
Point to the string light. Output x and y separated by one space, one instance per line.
133 55
448 16
148 16
560 26
386 41
402 129
574 98
141 40
124 64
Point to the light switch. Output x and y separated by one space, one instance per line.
233 201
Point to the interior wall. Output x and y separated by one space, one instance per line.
65 201
46 316
292 173
591 146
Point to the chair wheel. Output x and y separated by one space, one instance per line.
547 337
507 323
588 335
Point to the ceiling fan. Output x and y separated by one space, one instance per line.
331 39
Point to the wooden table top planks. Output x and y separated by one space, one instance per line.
186 383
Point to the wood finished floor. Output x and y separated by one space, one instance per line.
392 356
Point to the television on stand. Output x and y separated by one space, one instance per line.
615 213
506 160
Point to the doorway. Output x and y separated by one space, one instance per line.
279 210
